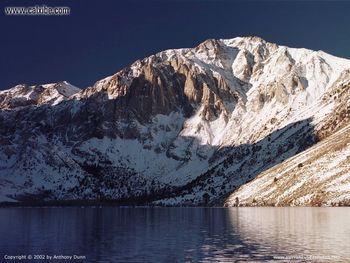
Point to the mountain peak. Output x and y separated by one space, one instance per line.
24 95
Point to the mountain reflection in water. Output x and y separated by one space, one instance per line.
179 234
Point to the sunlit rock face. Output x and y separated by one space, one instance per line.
181 127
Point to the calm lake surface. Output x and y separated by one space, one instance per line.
178 234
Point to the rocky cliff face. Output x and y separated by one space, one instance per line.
186 126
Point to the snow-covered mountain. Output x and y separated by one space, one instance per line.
182 127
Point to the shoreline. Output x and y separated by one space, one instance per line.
116 203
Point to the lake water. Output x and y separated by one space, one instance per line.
177 234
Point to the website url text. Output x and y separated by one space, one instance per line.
37 10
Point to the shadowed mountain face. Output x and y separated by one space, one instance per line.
185 126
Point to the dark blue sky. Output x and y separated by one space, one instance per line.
100 37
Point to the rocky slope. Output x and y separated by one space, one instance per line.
182 127
318 176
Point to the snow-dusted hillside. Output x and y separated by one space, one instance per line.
184 126
319 175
